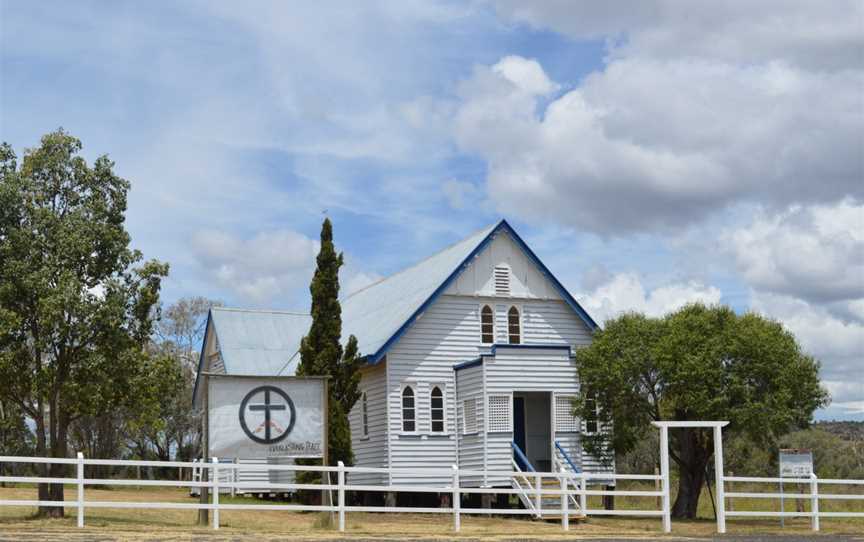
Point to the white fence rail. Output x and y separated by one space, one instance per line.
569 488
813 497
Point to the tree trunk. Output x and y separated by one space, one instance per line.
59 448
693 455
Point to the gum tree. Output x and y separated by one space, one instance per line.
698 363
77 304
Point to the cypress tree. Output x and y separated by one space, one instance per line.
321 352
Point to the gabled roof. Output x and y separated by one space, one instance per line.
377 313
259 342
267 342
380 313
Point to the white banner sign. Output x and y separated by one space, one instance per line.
796 463
263 417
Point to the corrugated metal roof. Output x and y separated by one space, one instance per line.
377 312
256 342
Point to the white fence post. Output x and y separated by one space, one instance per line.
814 501
718 477
80 489
214 487
583 497
565 515
538 497
340 480
456 501
664 472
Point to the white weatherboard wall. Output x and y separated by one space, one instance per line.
469 387
370 451
446 334
526 370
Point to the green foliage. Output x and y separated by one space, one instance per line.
321 352
77 304
698 363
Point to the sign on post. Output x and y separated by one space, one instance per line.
794 463
266 417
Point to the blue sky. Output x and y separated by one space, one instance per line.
651 153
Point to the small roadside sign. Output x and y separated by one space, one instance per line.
796 463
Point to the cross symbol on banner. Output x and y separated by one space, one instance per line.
267 408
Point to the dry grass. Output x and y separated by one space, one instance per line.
131 524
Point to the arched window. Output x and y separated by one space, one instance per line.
487 325
408 411
436 408
513 331
364 410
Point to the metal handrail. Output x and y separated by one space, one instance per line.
521 456
566 457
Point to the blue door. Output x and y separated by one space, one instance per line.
519 425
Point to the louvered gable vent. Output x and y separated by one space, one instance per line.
502 280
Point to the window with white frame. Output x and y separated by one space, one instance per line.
514 326
436 409
364 414
469 416
565 414
409 423
500 414
487 325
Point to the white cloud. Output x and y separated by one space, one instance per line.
651 144
624 292
837 343
814 253
817 35
460 194
261 269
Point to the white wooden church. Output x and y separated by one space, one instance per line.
468 361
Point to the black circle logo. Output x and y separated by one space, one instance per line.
277 410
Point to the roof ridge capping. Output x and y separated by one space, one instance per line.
262 311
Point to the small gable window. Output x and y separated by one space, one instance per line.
487 325
502 279
408 410
514 332
364 411
436 402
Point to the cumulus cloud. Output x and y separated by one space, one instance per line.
815 253
816 35
260 269
837 343
624 292
652 144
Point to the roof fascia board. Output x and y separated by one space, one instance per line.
201 355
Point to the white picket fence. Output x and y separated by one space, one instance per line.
569 488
